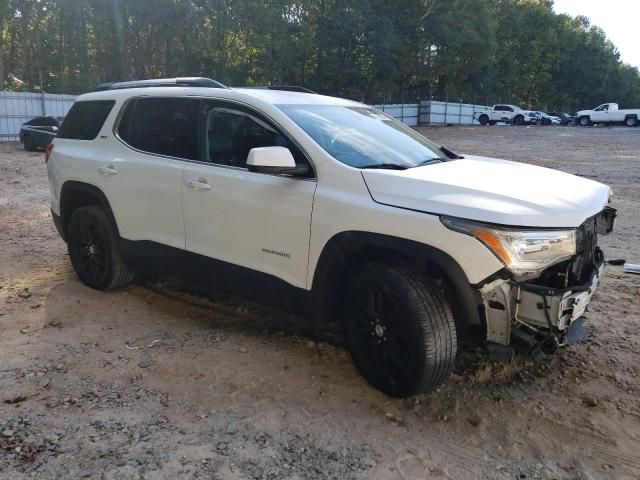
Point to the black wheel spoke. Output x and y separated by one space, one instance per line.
372 308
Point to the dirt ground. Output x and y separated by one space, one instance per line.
150 382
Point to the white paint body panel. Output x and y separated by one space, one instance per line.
145 194
253 220
493 191
344 204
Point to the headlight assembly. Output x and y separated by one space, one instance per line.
526 252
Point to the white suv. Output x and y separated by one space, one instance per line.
415 249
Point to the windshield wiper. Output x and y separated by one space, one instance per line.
384 166
430 161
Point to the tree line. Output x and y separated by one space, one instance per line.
481 51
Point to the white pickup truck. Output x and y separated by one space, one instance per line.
507 114
608 113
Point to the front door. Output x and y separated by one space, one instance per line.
254 220
601 114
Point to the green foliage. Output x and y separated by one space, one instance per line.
482 51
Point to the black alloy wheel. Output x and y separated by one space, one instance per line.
399 329
94 251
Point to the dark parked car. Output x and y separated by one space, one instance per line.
39 131
565 118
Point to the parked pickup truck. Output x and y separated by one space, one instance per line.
609 113
507 114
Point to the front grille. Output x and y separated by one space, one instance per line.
586 252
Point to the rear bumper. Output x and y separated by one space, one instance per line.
57 221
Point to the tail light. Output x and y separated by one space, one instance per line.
47 153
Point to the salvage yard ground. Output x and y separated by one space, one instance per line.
151 382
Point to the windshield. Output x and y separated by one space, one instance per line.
363 137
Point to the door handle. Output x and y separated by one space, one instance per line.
108 170
200 184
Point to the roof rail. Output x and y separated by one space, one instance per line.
290 88
286 88
162 82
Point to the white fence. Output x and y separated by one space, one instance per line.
18 107
449 113
434 113
407 113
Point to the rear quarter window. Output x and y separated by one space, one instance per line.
85 119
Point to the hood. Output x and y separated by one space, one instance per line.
492 191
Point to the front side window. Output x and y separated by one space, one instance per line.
162 126
364 137
85 119
230 133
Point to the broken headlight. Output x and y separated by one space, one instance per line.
525 252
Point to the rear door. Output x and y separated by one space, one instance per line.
142 174
255 220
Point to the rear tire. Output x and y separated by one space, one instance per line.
94 252
399 328
631 121
484 119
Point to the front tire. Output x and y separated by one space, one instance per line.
399 329
519 120
94 252
584 121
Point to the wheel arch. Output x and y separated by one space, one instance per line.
346 250
74 195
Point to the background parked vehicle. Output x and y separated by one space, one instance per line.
532 118
609 113
546 119
565 118
507 114
39 132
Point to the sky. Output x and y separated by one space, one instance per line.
618 18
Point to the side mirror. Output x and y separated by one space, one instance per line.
274 160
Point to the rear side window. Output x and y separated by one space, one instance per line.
162 126
85 119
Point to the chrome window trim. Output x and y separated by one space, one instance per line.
125 104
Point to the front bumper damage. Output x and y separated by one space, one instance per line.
548 312
535 315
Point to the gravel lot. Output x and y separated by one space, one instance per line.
151 382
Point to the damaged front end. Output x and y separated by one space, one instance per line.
539 314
